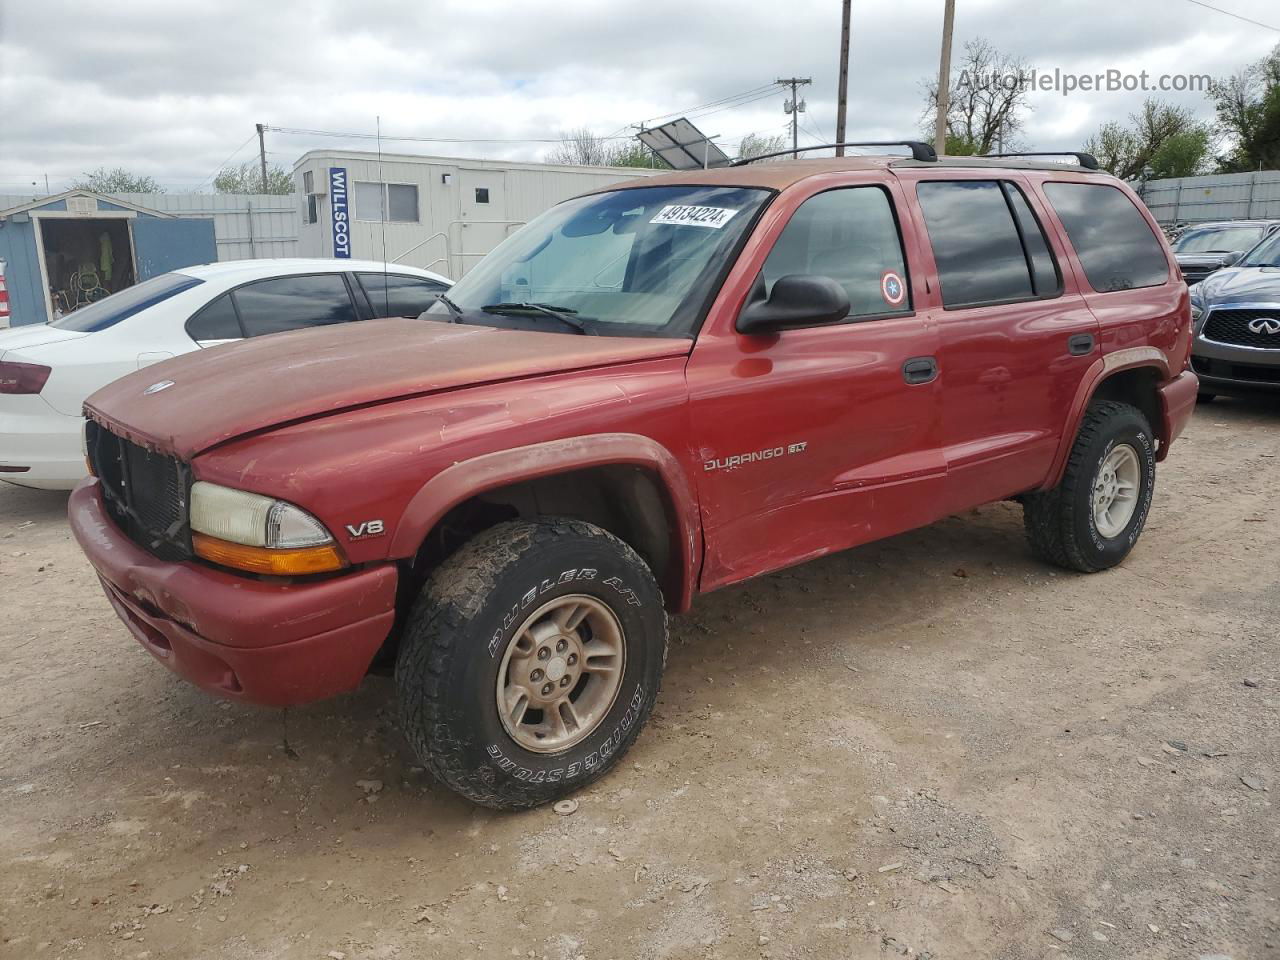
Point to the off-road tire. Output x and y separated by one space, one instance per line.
1059 522
460 627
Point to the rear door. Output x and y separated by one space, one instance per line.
398 294
1015 336
815 439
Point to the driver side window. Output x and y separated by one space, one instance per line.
851 236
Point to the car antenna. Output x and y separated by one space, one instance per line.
383 199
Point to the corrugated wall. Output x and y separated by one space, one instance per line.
1227 196
246 225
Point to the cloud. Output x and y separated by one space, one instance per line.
171 89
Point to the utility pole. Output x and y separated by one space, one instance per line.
795 106
262 153
944 80
842 94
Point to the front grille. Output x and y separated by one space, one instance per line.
1244 372
145 492
1232 326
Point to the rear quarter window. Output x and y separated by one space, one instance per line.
120 306
1114 242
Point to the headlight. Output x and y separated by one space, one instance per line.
259 534
1197 317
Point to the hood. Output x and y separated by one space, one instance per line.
226 392
34 335
1240 285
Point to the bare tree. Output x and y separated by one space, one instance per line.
118 180
1165 138
989 100
756 145
247 178
584 148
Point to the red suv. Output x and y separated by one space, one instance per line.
649 392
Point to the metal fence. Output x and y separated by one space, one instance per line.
246 225
1227 196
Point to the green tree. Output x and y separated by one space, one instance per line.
118 180
247 178
1166 138
1248 108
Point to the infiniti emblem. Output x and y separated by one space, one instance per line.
1265 325
157 387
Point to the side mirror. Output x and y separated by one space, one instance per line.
1230 258
797 300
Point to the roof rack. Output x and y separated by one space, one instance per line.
1086 160
919 151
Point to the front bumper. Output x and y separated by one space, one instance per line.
1225 368
276 643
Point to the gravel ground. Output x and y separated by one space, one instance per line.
933 746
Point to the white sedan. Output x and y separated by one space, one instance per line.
47 370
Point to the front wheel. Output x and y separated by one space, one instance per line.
531 660
1092 519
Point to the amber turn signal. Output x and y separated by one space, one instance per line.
294 562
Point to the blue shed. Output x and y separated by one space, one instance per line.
73 248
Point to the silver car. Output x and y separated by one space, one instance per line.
1236 323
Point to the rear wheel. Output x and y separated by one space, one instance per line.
1092 519
531 660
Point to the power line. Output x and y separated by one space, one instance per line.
298 131
715 103
1228 13
226 161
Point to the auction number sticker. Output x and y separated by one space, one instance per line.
688 215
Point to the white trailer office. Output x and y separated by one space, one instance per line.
442 213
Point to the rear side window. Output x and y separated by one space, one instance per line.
986 242
851 236
120 306
217 321
292 303
1112 239
395 295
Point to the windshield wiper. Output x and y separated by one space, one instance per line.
565 315
455 311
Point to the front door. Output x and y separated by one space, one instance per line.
815 439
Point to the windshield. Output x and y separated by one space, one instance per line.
1218 239
639 262
111 310
1265 254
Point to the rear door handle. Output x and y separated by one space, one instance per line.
920 370
1080 344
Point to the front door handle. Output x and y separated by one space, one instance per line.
920 370
1080 344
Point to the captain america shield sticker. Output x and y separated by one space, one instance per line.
892 289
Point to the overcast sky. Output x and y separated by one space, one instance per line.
172 88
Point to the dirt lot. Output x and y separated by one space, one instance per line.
933 747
